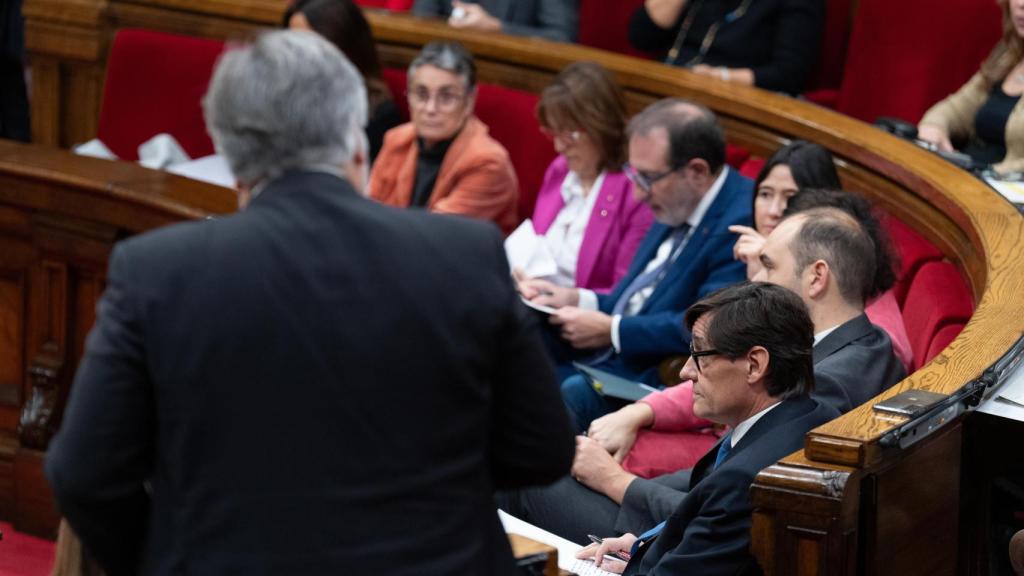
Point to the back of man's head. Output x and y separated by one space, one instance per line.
288 100
886 259
761 314
693 131
837 238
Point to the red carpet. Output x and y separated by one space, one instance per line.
23 555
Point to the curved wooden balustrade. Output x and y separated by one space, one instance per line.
844 504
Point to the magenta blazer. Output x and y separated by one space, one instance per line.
616 227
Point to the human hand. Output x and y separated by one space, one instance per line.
472 16
596 552
616 432
595 468
748 248
936 135
547 293
583 328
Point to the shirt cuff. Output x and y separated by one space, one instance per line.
587 299
615 333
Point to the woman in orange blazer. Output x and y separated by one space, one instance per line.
443 160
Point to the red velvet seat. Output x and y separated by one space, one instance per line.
906 55
393 5
154 84
937 297
752 167
942 338
823 85
604 24
914 251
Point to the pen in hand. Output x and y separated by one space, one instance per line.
623 556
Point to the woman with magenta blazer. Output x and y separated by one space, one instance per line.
585 210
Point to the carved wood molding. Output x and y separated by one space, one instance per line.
40 413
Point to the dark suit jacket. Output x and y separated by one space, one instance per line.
705 264
552 19
709 533
853 364
315 385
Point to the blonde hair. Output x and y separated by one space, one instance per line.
1007 53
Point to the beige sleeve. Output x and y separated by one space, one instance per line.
956 113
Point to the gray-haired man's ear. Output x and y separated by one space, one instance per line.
358 169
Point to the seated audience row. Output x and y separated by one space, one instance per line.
770 44
827 257
677 165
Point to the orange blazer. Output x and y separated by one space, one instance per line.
476 177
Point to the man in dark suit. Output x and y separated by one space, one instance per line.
827 258
268 393
752 371
677 164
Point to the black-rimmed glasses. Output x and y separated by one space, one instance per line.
698 354
645 180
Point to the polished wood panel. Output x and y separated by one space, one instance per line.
823 510
59 217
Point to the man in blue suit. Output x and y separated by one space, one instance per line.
677 165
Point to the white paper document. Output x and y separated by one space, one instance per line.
1012 191
566 549
528 252
212 169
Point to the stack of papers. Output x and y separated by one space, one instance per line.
566 550
528 252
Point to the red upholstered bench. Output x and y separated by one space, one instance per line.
942 338
604 25
393 5
936 299
914 251
899 66
154 84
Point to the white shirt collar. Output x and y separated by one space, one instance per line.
819 336
744 427
708 199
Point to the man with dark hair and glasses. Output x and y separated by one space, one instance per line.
752 371
677 165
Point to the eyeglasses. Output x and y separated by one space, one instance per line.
563 138
645 180
444 100
698 354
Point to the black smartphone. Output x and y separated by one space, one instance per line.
910 403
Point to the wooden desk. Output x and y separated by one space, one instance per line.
844 505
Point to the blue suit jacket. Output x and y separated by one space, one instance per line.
705 264
709 533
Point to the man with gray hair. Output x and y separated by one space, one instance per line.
267 394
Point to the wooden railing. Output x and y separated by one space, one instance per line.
845 504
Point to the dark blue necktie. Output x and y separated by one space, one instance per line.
723 450
652 277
